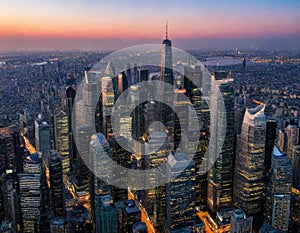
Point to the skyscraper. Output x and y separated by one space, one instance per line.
30 192
10 153
155 201
42 137
249 166
62 140
166 72
180 193
220 177
106 215
271 133
56 184
122 157
293 151
279 191
128 214
70 97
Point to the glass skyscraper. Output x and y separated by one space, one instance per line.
220 176
180 193
249 165
279 190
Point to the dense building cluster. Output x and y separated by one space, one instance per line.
50 184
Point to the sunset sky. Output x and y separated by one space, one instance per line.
96 24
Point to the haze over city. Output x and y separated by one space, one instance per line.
110 25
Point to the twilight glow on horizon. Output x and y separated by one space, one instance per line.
54 24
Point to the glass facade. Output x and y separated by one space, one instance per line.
62 140
279 191
180 193
220 177
249 166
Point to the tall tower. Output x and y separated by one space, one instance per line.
271 127
220 176
180 194
62 140
10 157
279 191
166 72
42 137
249 166
56 183
30 192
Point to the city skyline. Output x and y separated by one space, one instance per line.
98 25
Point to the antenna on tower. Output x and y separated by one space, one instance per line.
166 28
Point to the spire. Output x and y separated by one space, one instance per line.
166 29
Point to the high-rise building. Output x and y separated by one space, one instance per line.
239 222
166 72
42 138
157 151
10 152
293 138
30 192
293 151
56 184
180 193
11 205
100 149
192 80
271 133
193 84
249 166
279 191
282 141
61 133
70 97
106 215
296 166
220 176
128 215
166 75
122 157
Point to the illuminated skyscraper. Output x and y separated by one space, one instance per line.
180 193
279 191
61 133
122 157
30 192
99 151
157 151
249 166
220 177
166 72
